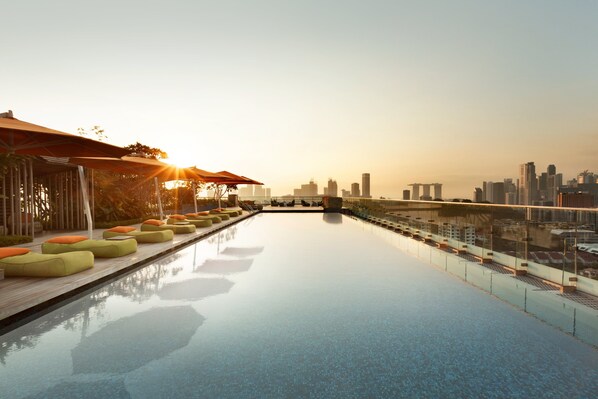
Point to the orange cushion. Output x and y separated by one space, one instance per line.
122 229
204 213
154 222
67 239
190 214
178 217
6 252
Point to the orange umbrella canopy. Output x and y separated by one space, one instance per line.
23 138
137 165
237 179
210 177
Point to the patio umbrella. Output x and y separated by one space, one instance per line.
24 138
140 166
225 266
195 289
231 179
131 342
206 177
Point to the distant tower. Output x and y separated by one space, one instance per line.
332 188
415 194
406 194
355 190
365 185
437 190
426 195
528 183
477 195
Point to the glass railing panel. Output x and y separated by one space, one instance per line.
479 276
425 252
456 266
438 258
551 308
509 289
586 325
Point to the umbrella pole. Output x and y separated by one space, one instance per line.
158 197
86 201
194 195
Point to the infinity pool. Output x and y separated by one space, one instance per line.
293 305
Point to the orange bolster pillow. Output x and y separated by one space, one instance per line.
191 214
204 213
178 217
6 252
67 239
154 222
122 229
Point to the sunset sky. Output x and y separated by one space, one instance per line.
453 92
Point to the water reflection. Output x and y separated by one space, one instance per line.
225 266
195 289
73 317
114 389
332 218
129 343
242 252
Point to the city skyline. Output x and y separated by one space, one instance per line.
432 91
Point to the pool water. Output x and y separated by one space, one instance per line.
293 305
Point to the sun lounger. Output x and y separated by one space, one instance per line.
204 215
100 248
158 225
21 262
196 222
224 211
139 236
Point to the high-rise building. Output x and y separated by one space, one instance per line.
477 195
345 193
426 195
575 200
259 191
510 192
406 194
415 194
437 190
498 193
332 189
355 190
307 190
268 193
246 191
365 185
528 184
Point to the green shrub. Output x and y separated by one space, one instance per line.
7 241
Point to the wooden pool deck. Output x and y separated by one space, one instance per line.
22 298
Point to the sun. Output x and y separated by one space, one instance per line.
181 159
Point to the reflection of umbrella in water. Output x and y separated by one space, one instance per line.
195 289
225 266
89 390
129 343
242 252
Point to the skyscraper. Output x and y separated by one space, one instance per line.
332 188
528 184
365 185
355 190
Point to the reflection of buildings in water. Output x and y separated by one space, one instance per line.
332 217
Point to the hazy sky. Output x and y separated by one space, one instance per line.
454 92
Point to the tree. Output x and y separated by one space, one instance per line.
95 131
144 151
